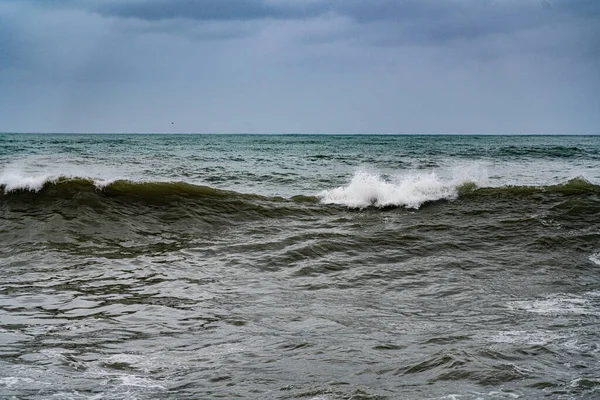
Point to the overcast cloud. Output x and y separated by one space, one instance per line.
307 66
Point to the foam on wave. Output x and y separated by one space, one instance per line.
368 189
15 181
365 189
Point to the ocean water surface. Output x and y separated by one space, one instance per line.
299 267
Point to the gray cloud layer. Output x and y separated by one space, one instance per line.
300 66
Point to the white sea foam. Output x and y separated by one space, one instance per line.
557 305
102 183
133 380
33 173
411 190
10 381
525 337
478 396
13 180
125 379
595 258
76 395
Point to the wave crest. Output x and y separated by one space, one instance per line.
365 189
65 187
411 191
368 189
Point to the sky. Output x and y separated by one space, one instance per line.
300 66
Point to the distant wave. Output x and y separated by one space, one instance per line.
546 152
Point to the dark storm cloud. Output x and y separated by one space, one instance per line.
219 10
207 9
389 22
442 20
202 10
381 22
437 23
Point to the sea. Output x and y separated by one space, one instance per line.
317 267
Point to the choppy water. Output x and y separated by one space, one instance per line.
299 267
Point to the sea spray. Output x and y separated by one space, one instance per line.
16 181
13 180
411 190
34 173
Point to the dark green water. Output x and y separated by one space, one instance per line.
299 267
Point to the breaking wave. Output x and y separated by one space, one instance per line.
364 190
411 191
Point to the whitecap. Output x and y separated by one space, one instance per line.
102 183
19 381
411 190
133 380
13 180
556 305
525 337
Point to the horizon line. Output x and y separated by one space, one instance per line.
304 134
